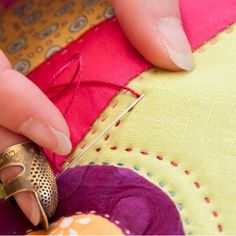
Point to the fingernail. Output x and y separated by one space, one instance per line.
46 136
35 215
175 40
64 144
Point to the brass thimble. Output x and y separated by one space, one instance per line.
36 177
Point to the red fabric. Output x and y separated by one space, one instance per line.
104 54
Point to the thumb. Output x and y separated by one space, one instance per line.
154 27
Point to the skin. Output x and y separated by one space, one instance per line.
153 27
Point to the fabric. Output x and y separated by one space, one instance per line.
81 105
122 196
32 31
81 224
179 141
181 136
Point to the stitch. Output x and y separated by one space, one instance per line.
117 123
173 163
127 231
140 78
114 105
78 213
83 146
81 41
180 206
187 172
149 174
107 215
144 153
197 184
187 222
215 213
93 131
120 164
129 149
207 200
213 41
162 184
98 149
136 167
117 222
159 158
220 228
64 51
104 118
172 193
105 163
92 163
106 137
92 212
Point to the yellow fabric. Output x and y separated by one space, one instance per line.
31 31
189 120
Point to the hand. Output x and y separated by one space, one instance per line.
26 111
154 28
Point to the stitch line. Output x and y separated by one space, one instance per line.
172 194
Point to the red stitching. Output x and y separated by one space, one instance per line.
83 146
187 172
106 137
93 131
114 105
104 118
220 228
197 184
207 200
117 123
173 163
144 153
98 149
159 158
129 149
215 213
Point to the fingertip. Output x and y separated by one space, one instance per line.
4 62
155 30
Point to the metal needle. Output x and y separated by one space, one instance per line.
86 148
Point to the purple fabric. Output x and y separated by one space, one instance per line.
141 207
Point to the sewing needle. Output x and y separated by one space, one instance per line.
86 148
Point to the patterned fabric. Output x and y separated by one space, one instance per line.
32 31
